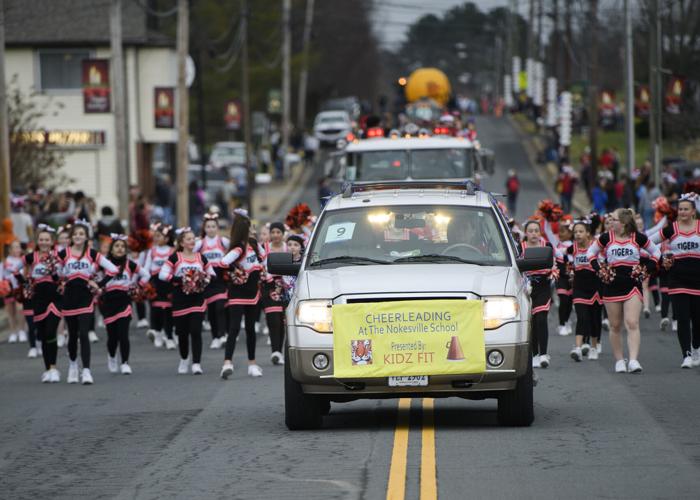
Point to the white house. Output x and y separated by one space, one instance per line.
46 44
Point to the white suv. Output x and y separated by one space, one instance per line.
409 289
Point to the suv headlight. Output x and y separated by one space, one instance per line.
316 314
499 310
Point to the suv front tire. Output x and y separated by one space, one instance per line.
516 407
301 411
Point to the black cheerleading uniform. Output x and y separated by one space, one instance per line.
78 300
216 294
273 303
622 256
45 303
541 299
161 305
187 308
115 305
563 284
243 297
585 293
684 282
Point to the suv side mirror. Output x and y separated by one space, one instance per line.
281 263
535 259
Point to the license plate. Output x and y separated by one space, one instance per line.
410 381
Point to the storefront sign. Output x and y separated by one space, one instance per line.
232 115
674 94
65 138
274 101
404 338
96 89
164 109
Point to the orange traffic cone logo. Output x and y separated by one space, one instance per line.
455 352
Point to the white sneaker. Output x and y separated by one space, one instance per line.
151 334
665 322
112 364
46 377
254 371
223 339
142 323
60 340
634 367
599 347
695 355
606 324
647 312
93 337
72 373
585 348
22 336
266 330
674 326
544 360
13 338
658 308
215 344
169 344
125 369
569 330
196 369
576 354
32 353
184 365
562 330
55 376
87 376
536 362
593 354
206 326
226 371
687 362
621 366
277 358
158 341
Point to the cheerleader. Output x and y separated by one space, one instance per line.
245 263
683 265
15 314
115 303
140 259
39 272
62 242
214 247
622 274
273 295
585 293
79 265
540 296
189 272
161 306
561 243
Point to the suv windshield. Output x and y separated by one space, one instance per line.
442 163
407 234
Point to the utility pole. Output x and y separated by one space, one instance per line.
4 127
593 85
286 78
656 108
530 30
540 45
245 91
567 52
555 40
118 99
183 31
304 74
629 90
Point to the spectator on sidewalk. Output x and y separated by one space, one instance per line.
587 174
197 205
624 191
600 196
22 223
165 198
311 145
645 195
512 190
566 182
324 191
108 224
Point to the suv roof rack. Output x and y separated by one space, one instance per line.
360 186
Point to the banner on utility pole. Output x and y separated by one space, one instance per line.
551 102
517 68
96 89
565 119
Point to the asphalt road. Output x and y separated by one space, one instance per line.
155 434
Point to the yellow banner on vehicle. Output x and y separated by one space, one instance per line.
413 337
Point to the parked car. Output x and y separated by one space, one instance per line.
225 154
330 126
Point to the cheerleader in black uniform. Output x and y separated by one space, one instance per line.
273 295
39 272
622 272
161 330
562 242
214 247
245 264
683 264
190 273
115 303
586 293
79 266
540 296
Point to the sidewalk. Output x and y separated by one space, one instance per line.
268 199
534 144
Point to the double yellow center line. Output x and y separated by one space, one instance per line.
396 487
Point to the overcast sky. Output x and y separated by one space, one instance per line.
393 17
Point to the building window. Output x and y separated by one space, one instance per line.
61 69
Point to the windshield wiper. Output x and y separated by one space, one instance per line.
350 259
433 257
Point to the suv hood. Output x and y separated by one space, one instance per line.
406 278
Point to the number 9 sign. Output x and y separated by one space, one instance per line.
340 232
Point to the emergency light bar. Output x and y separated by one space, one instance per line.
361 186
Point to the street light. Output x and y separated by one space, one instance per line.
402 81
